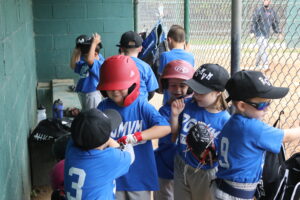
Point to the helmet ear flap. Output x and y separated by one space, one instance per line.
103 93
189 91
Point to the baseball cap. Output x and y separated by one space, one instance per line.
245 85
92 128
130 39
83 40
208 78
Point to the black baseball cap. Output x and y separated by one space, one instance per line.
92 128
208 78
245 85
83 40
130 39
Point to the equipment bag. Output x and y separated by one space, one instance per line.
151 43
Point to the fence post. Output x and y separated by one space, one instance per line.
187 19
236 21
135 13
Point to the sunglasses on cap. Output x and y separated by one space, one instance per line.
260 105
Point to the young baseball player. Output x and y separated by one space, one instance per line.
176 43
86 61
245 138
120 82
172 80
192 178
93 159
131 45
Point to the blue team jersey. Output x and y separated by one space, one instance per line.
191 114
91 174
148 80
242 147
138 116
168 56
89 75
165 153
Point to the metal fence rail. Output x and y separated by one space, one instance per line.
210 38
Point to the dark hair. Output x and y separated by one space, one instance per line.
177 33
86 48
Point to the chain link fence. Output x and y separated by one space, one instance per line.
210 42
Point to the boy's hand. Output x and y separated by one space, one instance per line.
131 139
177 107
96 38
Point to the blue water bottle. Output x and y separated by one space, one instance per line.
58 109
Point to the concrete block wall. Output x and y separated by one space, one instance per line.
58 22
18 98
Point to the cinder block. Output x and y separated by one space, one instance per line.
118 25
118 9
63 11
49 27
63 42
42 11
43 42
95 10
86 26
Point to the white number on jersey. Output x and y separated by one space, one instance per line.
224 153
77 186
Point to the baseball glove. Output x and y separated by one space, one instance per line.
200 143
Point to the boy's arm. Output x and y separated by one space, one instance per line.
113 143
291 134
177 107
75 58
91 54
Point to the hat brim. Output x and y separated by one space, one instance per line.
275 93
115 118
197 87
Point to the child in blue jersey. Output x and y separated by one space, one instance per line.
208 106
245 138
120 82
86 61
131 45
92 160
172 79
176 43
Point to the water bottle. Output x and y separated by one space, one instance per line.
58 109
41 113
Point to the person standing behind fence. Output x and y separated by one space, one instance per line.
86 61
131 45
177 44
262 20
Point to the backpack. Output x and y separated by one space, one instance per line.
151 43
289 184
280 177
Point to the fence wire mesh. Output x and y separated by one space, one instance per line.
210 42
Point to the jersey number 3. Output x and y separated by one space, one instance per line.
224 153
77 185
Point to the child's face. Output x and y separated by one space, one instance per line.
207 100
117 96
250 111
177 88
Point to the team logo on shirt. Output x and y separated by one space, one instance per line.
127 128
84 71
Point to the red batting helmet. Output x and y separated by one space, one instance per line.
176 69
120 72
